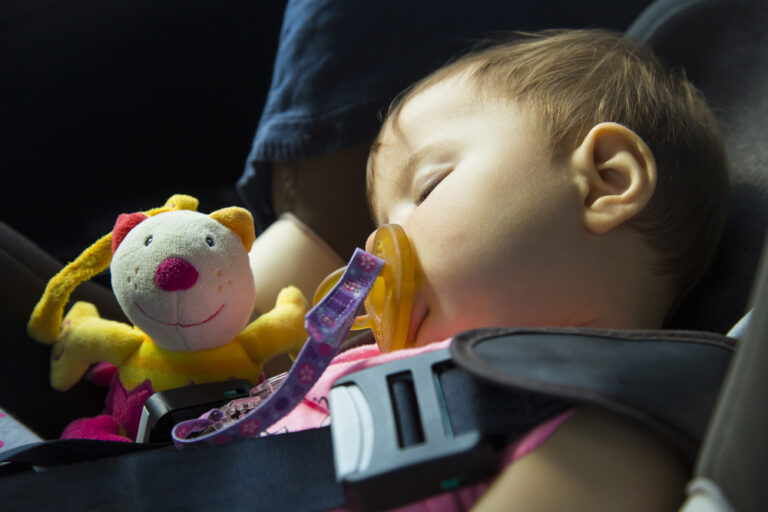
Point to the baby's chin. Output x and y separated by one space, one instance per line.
431 331
435 329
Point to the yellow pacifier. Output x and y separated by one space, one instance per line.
388 306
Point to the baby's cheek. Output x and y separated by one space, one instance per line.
448 312
472 304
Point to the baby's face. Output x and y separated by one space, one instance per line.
492 216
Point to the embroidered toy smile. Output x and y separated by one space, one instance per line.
178 324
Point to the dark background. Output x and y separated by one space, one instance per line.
110 106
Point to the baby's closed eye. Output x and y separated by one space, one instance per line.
424 187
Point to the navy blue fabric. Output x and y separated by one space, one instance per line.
340 62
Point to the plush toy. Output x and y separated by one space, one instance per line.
184 280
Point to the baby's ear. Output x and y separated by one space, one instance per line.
238 220
616 176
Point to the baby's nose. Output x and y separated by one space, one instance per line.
175 274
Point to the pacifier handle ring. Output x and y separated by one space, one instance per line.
389 303
324 288
327 284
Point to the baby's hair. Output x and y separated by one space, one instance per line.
575 79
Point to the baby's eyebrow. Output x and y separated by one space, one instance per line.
430 150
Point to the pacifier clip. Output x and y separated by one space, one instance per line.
327 324
384 282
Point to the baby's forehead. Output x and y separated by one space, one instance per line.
412 123
427 109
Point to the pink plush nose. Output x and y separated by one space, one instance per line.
175 274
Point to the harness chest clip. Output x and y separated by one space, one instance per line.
393 441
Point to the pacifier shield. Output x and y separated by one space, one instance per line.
390 302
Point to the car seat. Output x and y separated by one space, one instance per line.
716 41
723 46
723 49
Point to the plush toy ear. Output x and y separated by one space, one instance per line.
238 220
176 202
125 222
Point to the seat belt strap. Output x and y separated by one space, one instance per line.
285 472
68 451
506 382
293 471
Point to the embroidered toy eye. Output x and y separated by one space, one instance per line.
148 241
209 241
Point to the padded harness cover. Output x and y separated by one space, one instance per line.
669 380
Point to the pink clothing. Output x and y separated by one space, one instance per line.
313 412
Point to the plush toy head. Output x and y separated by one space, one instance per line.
183 277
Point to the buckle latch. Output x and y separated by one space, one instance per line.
392 438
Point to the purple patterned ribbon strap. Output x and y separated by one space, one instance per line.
328 324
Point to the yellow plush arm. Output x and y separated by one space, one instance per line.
85 339
279 331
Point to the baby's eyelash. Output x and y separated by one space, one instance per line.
423 196
431 185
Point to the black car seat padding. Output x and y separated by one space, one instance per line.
723 47
669 380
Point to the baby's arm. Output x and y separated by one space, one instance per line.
279 331
595 462
86 338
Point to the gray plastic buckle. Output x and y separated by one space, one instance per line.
389 451
164 409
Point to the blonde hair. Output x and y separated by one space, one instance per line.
575 79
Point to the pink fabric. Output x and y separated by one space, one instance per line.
126 406
101 374
104 428
123 409
535 437
313 413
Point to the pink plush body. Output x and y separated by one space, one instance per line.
122 412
